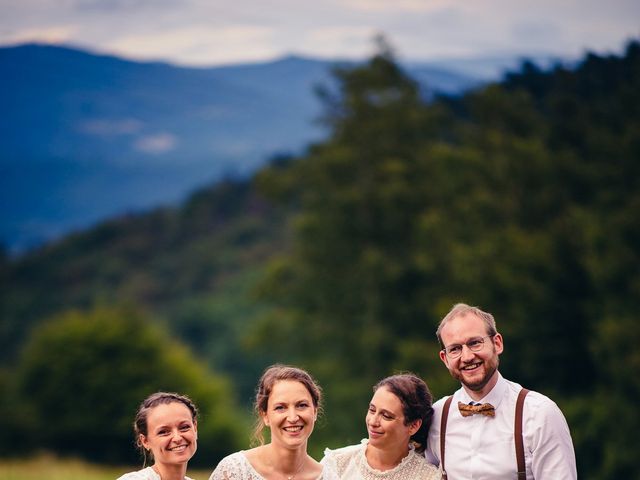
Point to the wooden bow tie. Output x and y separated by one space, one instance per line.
484 409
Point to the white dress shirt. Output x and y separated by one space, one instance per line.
479 447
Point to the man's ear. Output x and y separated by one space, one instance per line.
443 357
498 343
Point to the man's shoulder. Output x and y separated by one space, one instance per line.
533 396
439 404
535 403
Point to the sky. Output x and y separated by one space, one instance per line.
217 32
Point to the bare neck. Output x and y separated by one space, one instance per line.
171 472
269 459
285 456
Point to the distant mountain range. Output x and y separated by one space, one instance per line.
86 136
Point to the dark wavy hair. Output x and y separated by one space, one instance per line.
416 401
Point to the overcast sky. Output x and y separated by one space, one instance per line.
212 32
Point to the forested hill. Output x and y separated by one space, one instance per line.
153 132
521 197
192 266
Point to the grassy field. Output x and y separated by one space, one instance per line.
51 468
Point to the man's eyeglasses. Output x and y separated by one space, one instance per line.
475 345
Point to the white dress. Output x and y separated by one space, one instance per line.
237 467
350 463
144 474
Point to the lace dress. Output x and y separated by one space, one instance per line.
237 467
144 474
350 463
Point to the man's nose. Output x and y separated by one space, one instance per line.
467 354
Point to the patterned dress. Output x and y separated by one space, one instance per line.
144 474
350 463
237 467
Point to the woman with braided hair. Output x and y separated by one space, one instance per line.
166 432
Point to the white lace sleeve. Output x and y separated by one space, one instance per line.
235 467
329 466
329 471
144 474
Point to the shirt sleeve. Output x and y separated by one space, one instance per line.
552 451
432 452
431 458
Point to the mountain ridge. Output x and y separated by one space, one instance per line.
87 135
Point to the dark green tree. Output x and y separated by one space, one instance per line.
83 375
521 197
350 289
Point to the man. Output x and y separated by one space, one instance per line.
480 441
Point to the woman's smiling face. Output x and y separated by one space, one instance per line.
290 414
171 433
385 421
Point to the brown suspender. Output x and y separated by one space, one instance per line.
517 434
443 430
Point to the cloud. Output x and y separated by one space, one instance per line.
108 128
118 5
54 34
156 144
536 32
340 40
205 32
197 45
396 6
